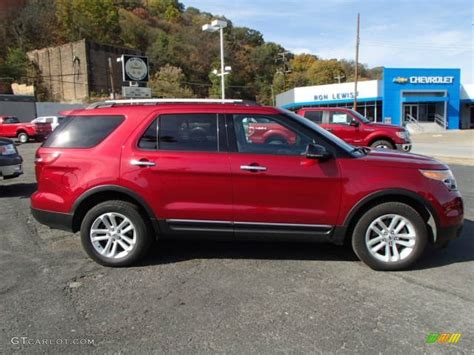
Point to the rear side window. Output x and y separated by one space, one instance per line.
185 132
315 116
11 120
83 131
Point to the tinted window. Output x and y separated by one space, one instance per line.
268 135
83 131
339 117
149 140
186 132
11 120
315 116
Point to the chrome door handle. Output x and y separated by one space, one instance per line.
142 162
253 168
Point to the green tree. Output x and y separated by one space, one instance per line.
324 72
168 83
134 32
15 65
91 19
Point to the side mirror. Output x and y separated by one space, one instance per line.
354 123
316 151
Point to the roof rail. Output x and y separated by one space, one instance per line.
110 103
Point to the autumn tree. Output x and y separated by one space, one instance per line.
96 20
168 83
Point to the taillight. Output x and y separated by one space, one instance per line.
251 130
46 158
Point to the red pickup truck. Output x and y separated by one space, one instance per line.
11 127
357 130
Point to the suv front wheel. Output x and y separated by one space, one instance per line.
114 233
390 236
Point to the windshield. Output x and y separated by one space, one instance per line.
346 146
360 117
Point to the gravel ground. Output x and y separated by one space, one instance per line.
225 297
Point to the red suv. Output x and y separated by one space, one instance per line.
355 129
127 174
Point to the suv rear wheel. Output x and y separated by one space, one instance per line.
390 236
382 144
114 233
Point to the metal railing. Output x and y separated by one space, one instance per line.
412 120
440 120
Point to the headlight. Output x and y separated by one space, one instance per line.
403 134
445 176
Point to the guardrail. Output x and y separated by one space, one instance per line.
413 121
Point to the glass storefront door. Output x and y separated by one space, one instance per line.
410 111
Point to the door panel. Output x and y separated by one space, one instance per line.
181 173
339 125
292 189
277 183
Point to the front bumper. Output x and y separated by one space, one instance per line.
405 147
11 171
52 219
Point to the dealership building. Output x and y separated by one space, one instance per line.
422 96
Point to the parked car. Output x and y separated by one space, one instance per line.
174 170
10 160
11 127
357 130
54 121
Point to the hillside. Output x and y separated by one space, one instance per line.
182 57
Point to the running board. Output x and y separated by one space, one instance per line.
245 230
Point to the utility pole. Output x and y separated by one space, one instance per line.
111 77
356 62
339 77
282 56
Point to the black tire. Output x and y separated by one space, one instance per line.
276 140
359 236
22 137
144 236
382 144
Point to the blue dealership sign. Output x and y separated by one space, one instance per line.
417 86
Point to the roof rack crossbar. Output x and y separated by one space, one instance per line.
111 103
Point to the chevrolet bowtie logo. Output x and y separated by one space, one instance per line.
400 80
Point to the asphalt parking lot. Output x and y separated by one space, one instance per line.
225 297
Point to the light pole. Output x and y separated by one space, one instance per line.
213 27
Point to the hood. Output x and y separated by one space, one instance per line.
384 125
394 158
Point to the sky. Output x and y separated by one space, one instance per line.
401 33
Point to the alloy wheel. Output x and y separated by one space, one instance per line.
113 235
390 238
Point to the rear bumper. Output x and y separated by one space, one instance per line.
406 147
11 171
54 220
